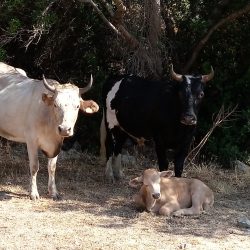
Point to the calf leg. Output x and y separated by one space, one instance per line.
34 167
51 183
195 209
168 208
139 203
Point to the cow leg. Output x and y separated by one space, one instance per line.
114 142
51 182
109 144
34 167
120 137
161 155
179 160
103 135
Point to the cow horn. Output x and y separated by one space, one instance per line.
175 76
88 87
47 86
206 78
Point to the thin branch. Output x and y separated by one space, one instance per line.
221 117
203 41
39 29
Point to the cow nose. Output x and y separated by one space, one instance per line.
156 196
189 120
64 131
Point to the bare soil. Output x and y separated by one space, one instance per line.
94 214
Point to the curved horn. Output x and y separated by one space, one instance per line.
175 76
88 87
47 86
206 78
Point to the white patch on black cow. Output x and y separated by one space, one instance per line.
188 79
111 113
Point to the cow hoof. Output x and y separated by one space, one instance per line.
110 179
177 214
118 175
57 197
109 176
34 197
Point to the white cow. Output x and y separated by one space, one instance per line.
40 113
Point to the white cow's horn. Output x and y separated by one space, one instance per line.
88 87
47 86
175 76
206 78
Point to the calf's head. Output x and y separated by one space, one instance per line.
65 100
191 92
151 179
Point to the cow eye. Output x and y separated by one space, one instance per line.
78 106
201 95
55 105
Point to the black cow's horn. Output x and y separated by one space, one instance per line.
206 78
175 76
88 87
47 86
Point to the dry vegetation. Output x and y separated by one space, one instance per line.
96 215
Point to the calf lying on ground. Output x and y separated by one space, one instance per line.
164 195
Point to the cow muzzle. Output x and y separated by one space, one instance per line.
188 120
65 131
156 196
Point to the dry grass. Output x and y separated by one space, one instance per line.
98 215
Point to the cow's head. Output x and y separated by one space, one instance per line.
151 178
191 92
65 100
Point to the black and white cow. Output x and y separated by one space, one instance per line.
165 111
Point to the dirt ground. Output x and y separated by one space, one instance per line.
97 215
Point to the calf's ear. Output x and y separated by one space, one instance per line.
168 173
48 99
89 106
135 182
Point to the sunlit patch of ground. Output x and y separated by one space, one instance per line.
95 214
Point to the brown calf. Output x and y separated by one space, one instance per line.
164 195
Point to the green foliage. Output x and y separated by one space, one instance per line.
71 42
14 26
2 54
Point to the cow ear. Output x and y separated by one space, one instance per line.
48 99
168 173
89 106
135 182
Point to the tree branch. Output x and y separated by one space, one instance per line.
120 30
203 41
